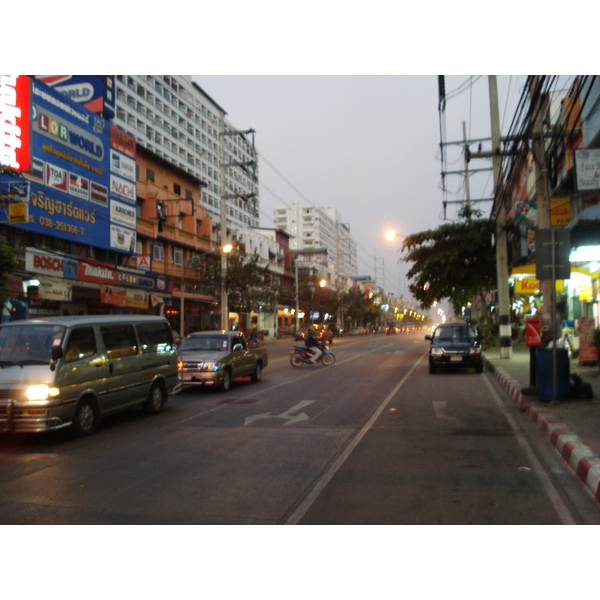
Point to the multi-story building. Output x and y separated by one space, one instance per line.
97 224
174 118
315 229
568 204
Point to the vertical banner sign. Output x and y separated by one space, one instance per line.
588 353
15 131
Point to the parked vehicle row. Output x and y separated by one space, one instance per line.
58 372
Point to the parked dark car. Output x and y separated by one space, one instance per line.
455 345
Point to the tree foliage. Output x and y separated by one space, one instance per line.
249 285
7 265
455 261
360 309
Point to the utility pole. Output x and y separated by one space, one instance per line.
467 184
501 247
547 286
223 187
297 299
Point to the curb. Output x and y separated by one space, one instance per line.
582 461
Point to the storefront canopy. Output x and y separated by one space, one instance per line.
585 228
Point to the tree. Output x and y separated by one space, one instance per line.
455 261
359 309
249 285
7 266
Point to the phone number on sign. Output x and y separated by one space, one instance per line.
60 226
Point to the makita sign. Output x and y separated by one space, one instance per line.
15 146
97 273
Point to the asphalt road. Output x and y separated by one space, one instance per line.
374 439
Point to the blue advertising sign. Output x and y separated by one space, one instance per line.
95 92
72 188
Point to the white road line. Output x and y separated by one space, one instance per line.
306 373
563 512
335 466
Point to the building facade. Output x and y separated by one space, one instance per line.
175 119
312 230
552 187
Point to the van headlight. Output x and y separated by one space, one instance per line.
437 352
41 394
475 351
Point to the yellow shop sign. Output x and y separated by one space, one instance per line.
531 285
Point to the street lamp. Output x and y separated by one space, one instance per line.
322 284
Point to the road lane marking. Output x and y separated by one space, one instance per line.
335 466
308 372
287 415
564 513
439 408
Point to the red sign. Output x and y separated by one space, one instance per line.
97 272
587 349
15 128
532 331
122 142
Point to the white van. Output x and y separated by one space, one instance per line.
61 371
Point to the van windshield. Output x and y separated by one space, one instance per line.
29 344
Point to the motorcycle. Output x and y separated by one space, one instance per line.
301 355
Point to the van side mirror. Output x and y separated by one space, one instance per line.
428 337
57 352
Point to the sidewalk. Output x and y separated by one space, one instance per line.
571 426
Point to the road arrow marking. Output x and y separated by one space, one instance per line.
287 415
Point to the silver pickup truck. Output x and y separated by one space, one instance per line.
216 358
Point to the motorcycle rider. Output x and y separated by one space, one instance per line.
312 344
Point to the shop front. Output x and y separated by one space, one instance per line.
53 284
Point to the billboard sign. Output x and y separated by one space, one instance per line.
15 149
95 92
72 186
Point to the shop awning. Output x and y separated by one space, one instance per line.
585 227
525 271
196 297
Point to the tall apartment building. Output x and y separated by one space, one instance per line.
177 120
313 228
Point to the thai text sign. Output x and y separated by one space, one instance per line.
587 169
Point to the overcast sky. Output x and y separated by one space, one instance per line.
368 146
343 98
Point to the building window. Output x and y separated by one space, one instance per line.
149 174
158 251
177 189
178 256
